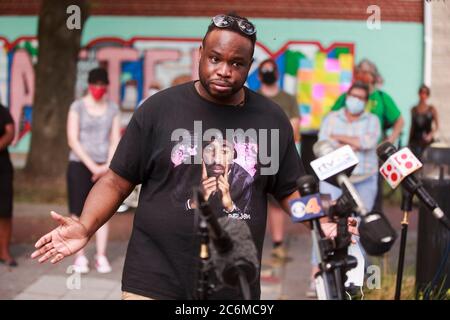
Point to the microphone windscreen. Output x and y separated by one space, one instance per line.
322 148
307 185
376 234
243 254
385 150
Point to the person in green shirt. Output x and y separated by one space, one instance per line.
380 103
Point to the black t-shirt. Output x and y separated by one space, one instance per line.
5 118
162 147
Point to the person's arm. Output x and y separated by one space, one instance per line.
73 129
354 142
396 130
365 141
72 235
103 200
393 115
326 130
295 123
294 117
8 137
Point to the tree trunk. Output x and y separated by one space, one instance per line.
56 72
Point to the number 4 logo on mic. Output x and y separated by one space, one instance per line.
398 166
306 208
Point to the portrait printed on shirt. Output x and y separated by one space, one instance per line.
225 172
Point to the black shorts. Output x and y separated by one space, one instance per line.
78 186
6 189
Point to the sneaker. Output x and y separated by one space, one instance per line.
280 253
81 264
102 264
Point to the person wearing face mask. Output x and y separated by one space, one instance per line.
268 75
353 126
93 132
380 104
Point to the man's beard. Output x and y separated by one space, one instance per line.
219 96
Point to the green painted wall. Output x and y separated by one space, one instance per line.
397 48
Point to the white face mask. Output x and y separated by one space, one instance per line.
354 105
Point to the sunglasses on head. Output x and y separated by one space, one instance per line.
224 21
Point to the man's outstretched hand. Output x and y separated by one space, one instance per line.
63 241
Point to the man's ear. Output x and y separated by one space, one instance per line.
200 52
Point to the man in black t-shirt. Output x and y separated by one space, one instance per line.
162 257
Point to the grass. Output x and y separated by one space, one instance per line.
408 289
387 290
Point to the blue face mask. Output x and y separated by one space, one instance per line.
354 105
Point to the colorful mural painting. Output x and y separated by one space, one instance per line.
315 75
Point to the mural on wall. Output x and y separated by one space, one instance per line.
316 76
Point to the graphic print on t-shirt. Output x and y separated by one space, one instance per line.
231 162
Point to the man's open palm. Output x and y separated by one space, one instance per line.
69 237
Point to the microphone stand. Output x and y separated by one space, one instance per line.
243 281
236 270
320 251
203 288
341 255
334 260
407 198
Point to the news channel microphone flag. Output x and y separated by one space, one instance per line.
334 165
398 169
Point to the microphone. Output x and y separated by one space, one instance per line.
398 169
309 206
242 259
334 165
233 252
376 234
